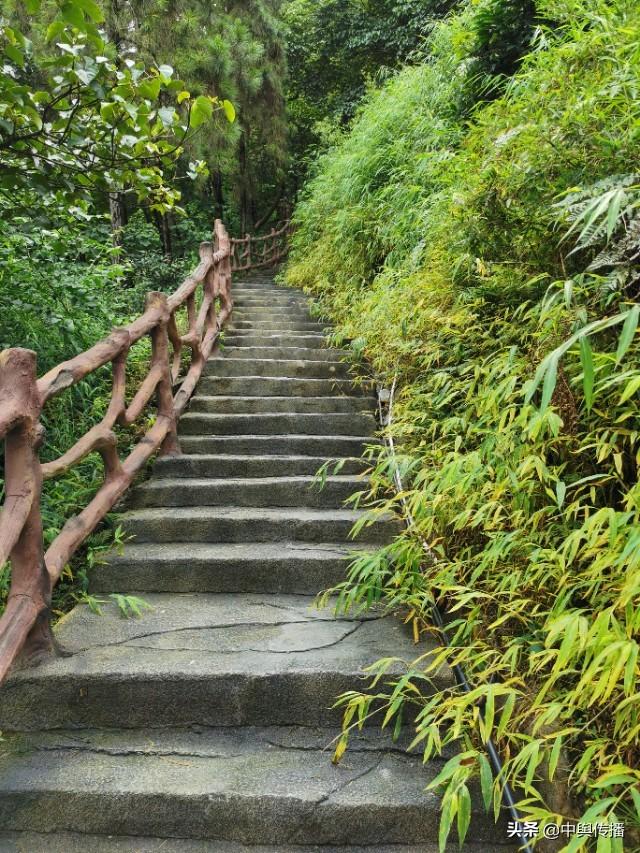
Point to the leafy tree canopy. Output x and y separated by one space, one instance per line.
78 117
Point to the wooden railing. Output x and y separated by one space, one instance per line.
261 252
206 298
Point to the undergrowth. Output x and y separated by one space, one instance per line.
484 255
61 291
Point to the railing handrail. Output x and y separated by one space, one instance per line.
273 248
25 624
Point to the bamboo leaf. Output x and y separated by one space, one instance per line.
628 332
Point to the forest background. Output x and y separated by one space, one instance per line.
465 187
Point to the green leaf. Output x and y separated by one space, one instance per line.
53 30
183 96
150 89
628 332
586 358
92 9
15 54
73 15
631 388
201 111
561 491
32 6
229 111
486 780
554 757
464 812
550 379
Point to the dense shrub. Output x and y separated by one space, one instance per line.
60 292
490 267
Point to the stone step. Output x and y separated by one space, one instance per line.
245 491
236 786
71 842
265 314
238 465
219 660
250 524
287 353
279 386
294 368
274 302
314 423
293 568
248 338
273 405
335 446
278 325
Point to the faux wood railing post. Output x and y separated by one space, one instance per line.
160 361
25 623
24 626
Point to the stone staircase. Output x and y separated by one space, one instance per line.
204 724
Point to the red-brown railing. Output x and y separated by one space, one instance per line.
25 625
251 252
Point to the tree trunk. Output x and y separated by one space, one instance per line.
264 219
218 197
166 236
244 194
118 211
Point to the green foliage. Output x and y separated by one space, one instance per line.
78 117
335 48
491 266
60 292
233 51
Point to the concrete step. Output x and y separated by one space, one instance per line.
245 491
335 446
250 524
265 314
259 338
272 405
240 786
238 465
220 660
288 353
237 366
279 386
314 423
273 302
70 842
293 568
278 325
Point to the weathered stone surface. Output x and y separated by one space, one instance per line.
333 446
247 366
262 338
251 492
30 842
207 659
269 786
274 405
278 386
285 351
277 324
257 465
201 423
274 567
250 524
